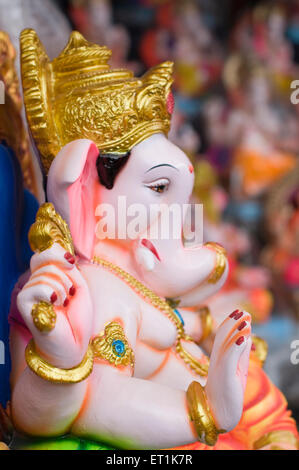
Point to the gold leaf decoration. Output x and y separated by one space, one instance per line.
49 228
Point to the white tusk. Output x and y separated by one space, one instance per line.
146 258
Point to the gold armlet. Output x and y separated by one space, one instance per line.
53 374
206 323
221 261
201 415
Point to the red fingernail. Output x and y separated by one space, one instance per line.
233 313
240 340
253 348
72 290
69 257
238 315
66 302
242 325
53 297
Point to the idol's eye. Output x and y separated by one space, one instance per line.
159 186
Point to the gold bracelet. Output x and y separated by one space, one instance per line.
221 261
53 374
201 415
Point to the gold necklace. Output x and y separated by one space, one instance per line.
164 307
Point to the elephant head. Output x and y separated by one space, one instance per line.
156 174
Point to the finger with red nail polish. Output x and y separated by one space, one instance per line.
238 315
53 298
69 257
240 340
242 325
72 290
234 313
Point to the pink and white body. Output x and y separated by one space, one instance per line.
146 407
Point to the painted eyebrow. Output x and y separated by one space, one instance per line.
162 164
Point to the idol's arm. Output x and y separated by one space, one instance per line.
50 304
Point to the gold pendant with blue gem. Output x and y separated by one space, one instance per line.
112 346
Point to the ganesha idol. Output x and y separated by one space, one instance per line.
106 333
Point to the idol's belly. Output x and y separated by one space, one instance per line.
148 361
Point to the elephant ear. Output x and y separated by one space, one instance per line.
71 187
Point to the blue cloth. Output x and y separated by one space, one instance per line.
17 213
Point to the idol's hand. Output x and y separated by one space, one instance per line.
228 370
56 306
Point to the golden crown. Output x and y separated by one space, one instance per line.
78 95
